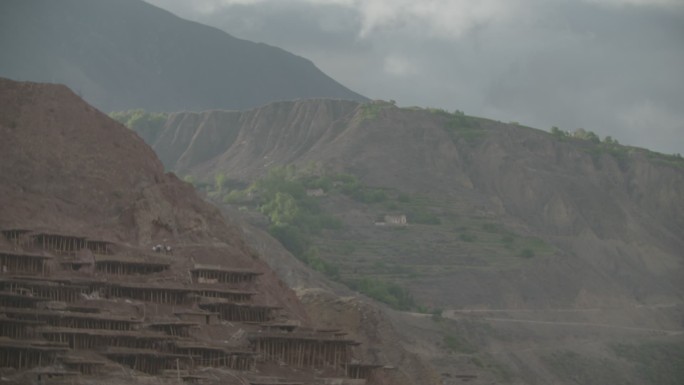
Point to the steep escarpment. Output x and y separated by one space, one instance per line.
116 272
278 133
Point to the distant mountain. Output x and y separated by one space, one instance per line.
129 54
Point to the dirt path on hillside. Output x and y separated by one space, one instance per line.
481 315
587 324
569 310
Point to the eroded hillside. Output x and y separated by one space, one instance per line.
606 205
510 227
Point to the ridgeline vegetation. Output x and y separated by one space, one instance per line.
140 119
611 146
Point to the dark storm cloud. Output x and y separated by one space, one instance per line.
618 73
301 25
615 67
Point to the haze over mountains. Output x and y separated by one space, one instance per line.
528 257
128 54
609 66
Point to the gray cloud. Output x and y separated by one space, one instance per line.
610 66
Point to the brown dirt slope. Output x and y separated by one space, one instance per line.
66 167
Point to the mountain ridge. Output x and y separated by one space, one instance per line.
130 54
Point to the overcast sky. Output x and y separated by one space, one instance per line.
615 67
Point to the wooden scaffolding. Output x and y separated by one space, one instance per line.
201 317
57 243
149 293
15 236
17 328
218 274
361 371
237 312
100 247
70 319
53 291
23 263
62 244
82 339
13 299
147 360
302 350
21 355
128 266
85 366
175 328
216 357
229 295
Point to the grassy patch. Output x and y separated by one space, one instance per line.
422 215
390 293
574 368
372 110
147 124
526 253
597 148
467 237
295 217
659 363
457 344
674 160
463 127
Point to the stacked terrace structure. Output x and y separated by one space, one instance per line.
78 307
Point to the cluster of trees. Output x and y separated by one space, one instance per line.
583 134
463 127
140 120
610 145
294 216
388 292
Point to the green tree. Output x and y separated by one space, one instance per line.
140 119
291 238
219 181
282 209
610 141
583 134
